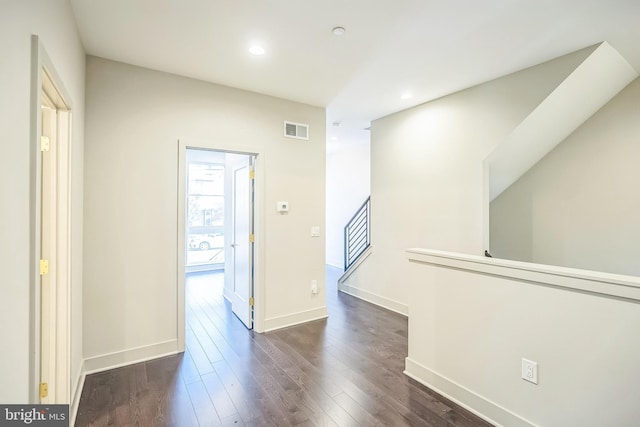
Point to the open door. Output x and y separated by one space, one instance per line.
242 238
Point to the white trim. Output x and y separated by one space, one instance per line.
356 264
295 319
130 356
182 242
376 299
593 282
339 267
63 263
75 399
479 405
225 294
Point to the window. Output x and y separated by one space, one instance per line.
205 211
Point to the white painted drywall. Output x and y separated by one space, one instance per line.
348 186
427 171
53 22
471 325
594 83
134 119
579 206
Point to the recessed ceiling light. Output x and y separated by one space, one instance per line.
406 95
256 50
338 31
334 138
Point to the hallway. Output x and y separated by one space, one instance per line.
344 371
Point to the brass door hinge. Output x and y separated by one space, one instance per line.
44 267
251 301
252 175
44 143
44 390
252 238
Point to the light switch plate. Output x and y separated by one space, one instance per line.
315 231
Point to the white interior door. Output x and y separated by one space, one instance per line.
241 245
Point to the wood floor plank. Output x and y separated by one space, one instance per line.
356 411
309 387
203 406
242 400
343 371
182 412
200 359
218 395
188 370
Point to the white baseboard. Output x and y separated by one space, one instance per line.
117 359
226 295
384 302
339 266
75 399
295 319
471 401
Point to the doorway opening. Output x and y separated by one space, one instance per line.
219 235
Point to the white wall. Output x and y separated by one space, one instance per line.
473 319
53 22
579 206
135 117
348 186
427 173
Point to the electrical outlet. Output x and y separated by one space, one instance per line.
530 371
314 287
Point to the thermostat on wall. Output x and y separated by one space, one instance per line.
283 207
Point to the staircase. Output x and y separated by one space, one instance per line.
357 234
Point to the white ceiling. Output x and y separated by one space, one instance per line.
426 47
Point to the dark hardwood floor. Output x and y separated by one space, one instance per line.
343 371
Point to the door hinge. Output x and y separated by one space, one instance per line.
251 301
44 267
252 238
252 175
44 390
44 143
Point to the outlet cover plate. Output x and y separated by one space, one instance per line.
530 371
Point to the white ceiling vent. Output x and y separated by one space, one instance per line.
296 130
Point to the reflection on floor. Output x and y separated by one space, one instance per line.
344 371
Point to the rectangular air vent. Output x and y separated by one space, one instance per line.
296 130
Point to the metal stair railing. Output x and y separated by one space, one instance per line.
357 234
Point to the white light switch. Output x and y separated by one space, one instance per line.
315 231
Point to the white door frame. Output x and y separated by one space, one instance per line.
44 78
259 253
